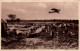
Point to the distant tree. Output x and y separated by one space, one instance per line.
11 16
18 20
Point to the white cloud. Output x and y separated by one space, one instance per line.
42 5
20 10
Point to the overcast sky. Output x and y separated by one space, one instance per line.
39 10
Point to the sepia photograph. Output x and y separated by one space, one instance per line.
40 25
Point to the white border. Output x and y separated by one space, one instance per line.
39 1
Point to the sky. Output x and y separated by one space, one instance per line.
39 10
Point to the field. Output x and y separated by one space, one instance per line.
65 37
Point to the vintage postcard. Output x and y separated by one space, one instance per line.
39 25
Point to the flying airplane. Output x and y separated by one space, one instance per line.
54 10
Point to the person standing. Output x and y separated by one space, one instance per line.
52 34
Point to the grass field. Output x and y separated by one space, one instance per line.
44 41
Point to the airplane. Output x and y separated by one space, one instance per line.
54 10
